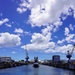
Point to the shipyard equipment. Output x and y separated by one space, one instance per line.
69 54
27 57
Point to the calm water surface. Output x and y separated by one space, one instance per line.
29 70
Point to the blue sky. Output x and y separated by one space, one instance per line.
47 28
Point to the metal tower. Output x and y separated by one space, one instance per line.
27 57
69 54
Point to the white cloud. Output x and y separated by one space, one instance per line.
50 47
43 42
40 38
22 7
70 38
18 30
4 21
71 27
47 30
40 42
21 32
39 47
13 52
62 49
9 40
27 33
57 25
60 41
48 11
21 10
8 25
66 31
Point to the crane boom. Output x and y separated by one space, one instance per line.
69 55
27 57
73 49
26 50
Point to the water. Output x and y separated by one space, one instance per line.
29 70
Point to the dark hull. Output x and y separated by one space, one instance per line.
35 65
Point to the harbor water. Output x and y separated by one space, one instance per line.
30 70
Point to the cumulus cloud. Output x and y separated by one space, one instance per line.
21 32
27 33
9 40
71 27
4 21
8 25
49 14
21 10
39 38
50 47
40 42
63 49
43 42
56 25
70 38
22 7
46 9
60 41
18 30
47 29
44 12
66 31
39 47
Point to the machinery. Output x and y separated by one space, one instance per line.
69 54
27 57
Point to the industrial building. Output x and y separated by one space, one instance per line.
55 58
5 59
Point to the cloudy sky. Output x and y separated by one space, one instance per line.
45 27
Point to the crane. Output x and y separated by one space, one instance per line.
27 57
69 54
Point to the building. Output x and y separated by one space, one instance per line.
47 61
21 61
55 58
5 59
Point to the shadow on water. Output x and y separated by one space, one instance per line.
30 70
27 70
36 70
70 73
